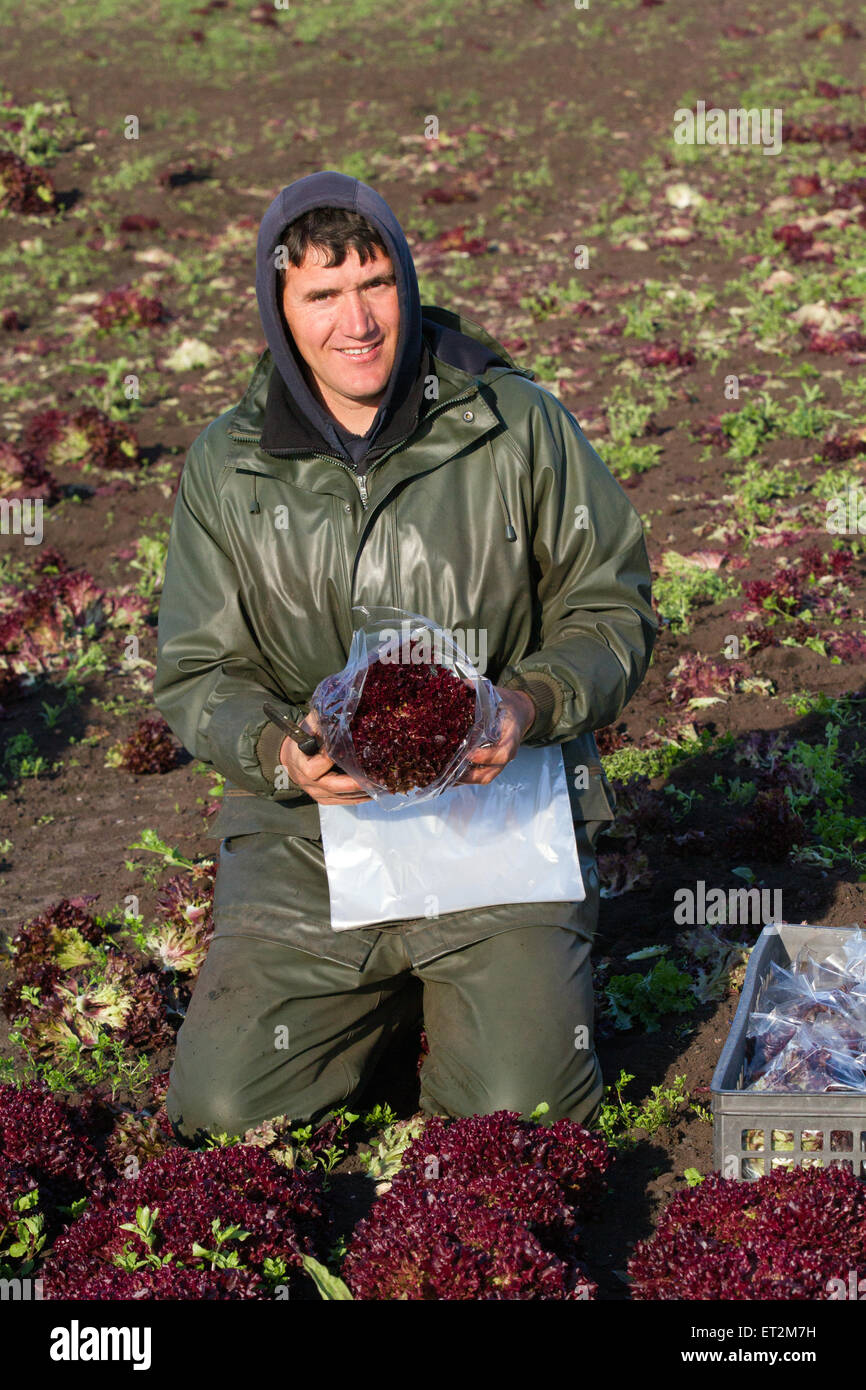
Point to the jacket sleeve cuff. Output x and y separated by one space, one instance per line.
268 753
547 696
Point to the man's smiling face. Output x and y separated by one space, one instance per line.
345 320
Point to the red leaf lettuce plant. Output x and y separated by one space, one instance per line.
44 626
482 1208
49 1166
228 1223
178 940
26 188
787 1235
22 475
84 438
150 748
126 307
71 985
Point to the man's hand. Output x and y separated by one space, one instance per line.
517 716
312 774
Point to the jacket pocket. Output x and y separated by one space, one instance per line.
248 814
597 800
234 844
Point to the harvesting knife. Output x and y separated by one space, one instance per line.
307 742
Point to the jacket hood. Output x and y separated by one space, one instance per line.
332 189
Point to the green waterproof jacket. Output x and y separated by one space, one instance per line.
495 514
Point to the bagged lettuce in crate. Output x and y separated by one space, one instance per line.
812 1061
408 709
809 1032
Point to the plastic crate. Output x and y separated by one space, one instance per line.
755 1131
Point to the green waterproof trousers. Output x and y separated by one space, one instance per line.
289 1017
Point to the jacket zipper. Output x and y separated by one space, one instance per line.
253 473
360 479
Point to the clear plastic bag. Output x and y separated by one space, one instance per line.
809 1030
786 991
393 635
849 960
794 995
830 973
767 1035
812 1061
842 1006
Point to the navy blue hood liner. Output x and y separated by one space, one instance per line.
331 189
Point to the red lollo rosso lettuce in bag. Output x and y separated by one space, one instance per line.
408 709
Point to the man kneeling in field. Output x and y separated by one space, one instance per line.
386 452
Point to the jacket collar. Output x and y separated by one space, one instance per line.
285 427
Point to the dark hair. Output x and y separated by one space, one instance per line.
333 230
